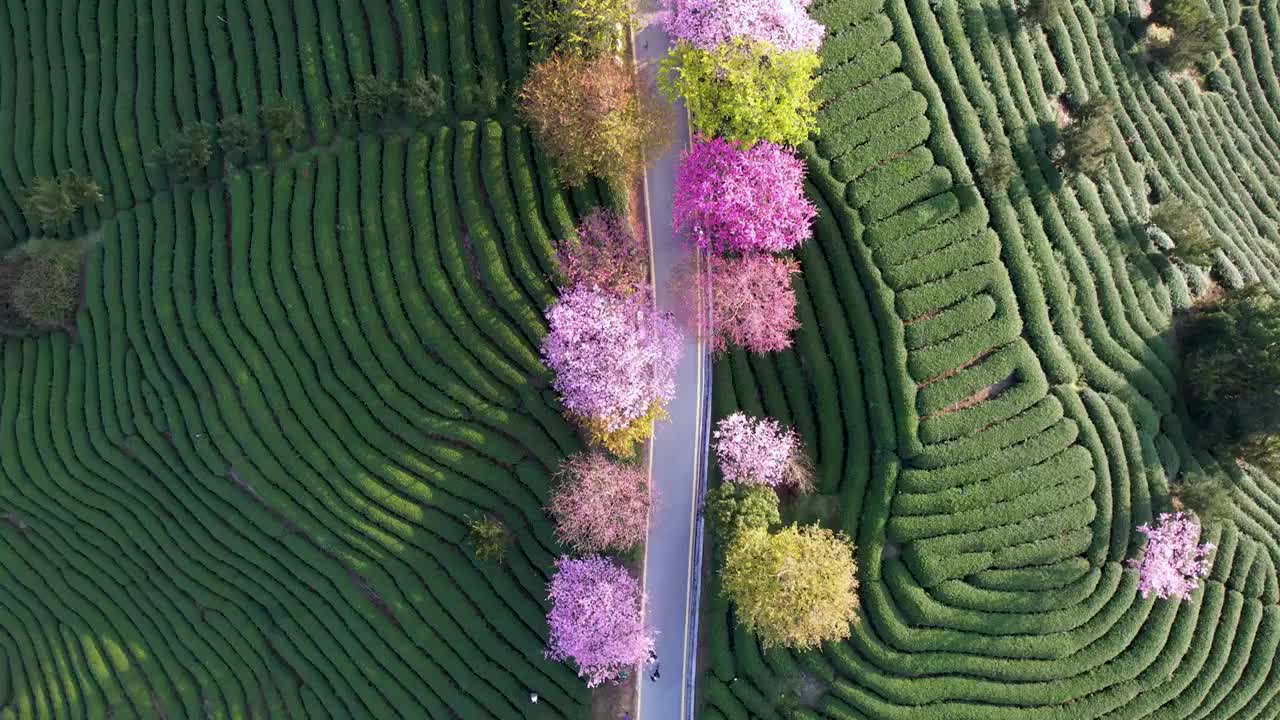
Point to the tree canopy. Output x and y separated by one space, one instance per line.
744 90
1231 372
591 119
795 588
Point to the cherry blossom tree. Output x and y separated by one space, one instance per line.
606 253
708 23
760 451
600 505
614 357
595 618
748 300
731 199
1173 562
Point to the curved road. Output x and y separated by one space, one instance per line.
677 462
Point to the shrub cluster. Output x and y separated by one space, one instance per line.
794 588
591 119
50 203
1184 224
1196 32
40 286
744 90
1087 142
576 27
1231 373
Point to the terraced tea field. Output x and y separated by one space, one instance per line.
241 490
987 382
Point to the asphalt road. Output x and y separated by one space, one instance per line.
677 463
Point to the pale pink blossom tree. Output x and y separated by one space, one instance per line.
595 618
1174 562
614 357
746 301
600 505
708 23
605 252
760 451
730 199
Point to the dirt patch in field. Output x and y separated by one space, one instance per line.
1062 112
990 392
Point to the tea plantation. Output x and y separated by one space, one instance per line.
241 488
987 381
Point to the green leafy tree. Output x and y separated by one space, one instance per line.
377 97
424 95
48 204
489 538
1197 32
733 508
188 155
83 191
590 118
1042 11
46 292
1208 496
795 588
745 90
1087 143
238 135
1231 373
1184 224
481 97
283 120
576 27
998 170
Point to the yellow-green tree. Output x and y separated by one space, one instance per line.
797 588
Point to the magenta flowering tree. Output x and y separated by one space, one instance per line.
729 199
595 618
752 303
600 505
758 451
708 23
614 357
1173 562
605 252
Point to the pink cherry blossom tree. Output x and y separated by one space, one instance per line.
1173 563
605 252
746 301
614 357
708 23
595 618
760 451
600 505
730 199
